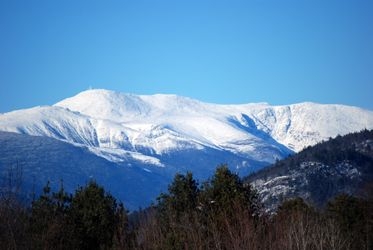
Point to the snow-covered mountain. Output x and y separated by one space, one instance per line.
175 133
113 123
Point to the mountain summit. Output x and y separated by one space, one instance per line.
165 134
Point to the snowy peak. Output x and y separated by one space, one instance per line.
121 107
105 104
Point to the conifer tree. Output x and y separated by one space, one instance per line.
182 195
226 190
93 217
48 224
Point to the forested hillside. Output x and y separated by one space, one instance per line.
318 173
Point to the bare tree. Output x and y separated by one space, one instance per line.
13 219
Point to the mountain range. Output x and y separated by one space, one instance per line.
134 144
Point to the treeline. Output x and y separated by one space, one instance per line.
221 213
225 213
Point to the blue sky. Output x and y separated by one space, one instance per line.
280 52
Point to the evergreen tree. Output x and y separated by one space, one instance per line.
48 224
93 218
229 208
226 189
181 197
176 210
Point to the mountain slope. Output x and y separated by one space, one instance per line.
318 173
136 181
42 159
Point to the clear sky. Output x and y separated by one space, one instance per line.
275 51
